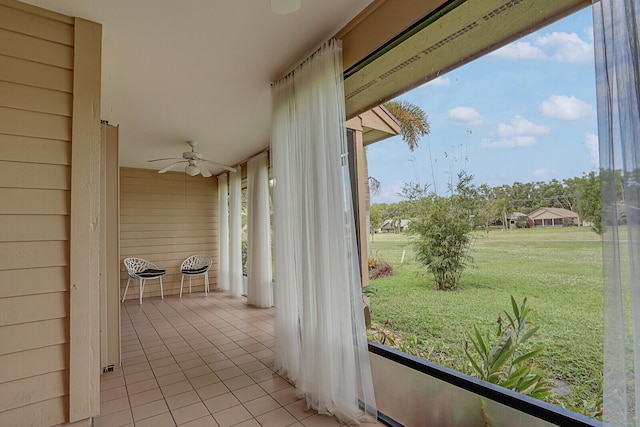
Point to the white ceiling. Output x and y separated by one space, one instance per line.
174 71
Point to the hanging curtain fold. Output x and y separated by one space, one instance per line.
259 289
235 232
617 54
320 334
223 233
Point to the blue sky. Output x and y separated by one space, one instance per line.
526 112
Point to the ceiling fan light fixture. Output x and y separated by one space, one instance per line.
192 170
192 159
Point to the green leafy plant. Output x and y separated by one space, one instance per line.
382 335
369 290
245 252
413 121
503 362
442 232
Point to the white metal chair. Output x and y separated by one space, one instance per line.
143 270
196 265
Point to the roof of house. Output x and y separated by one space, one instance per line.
391 223
547 213
516 215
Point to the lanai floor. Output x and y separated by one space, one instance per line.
199 361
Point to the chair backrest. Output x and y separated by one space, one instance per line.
136 265
196 261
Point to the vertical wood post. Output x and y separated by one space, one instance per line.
84 292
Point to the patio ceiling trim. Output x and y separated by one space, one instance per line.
449 37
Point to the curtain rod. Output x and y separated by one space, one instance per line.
307 57
265 150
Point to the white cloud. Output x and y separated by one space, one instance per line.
440 81
520 126
544 174
566 47
516 141
465 116
591 142
566 108
556 46
520 50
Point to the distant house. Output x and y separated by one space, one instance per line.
387 226
404 223
553 217
390 225
513 218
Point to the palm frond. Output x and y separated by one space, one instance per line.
374 186
414 122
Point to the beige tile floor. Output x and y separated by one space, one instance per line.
198 362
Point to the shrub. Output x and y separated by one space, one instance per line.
245 251
379 268
442 232
503 362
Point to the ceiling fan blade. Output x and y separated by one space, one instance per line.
166 168
168 158
220 165
204 171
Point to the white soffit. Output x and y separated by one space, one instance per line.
174 71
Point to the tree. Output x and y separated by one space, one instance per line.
374 186
376 217
414 123
502 208
589 203
442 231
485 201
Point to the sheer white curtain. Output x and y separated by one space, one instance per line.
617 47
223 233
320 333
259 289
235 232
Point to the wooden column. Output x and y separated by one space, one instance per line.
84 304
109 248
360 197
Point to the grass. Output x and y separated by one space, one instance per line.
558 270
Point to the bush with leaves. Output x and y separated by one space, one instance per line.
589 203
245 252
379 268
502 361
442 232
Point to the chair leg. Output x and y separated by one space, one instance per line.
141 289
161 291
206 284
125 289
181 284
189 284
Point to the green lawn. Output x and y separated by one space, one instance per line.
558 270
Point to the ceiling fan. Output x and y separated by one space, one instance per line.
195 162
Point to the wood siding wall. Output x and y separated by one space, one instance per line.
36 83
164 218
